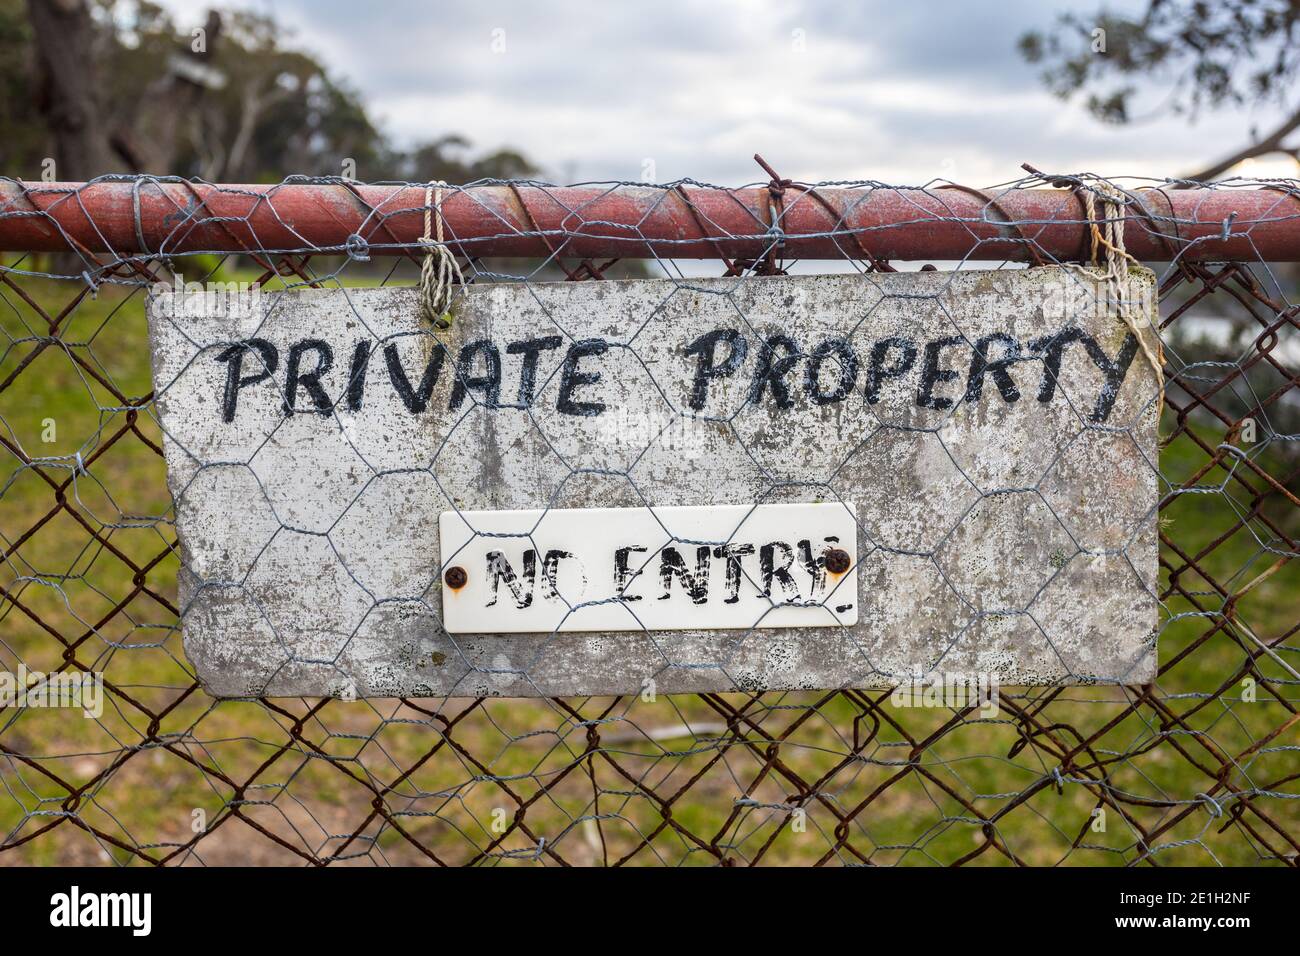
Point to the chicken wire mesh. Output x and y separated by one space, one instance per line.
1199 766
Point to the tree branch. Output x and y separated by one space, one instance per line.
1272 143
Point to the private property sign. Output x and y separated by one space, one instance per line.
580 488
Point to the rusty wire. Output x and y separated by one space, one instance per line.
1201 766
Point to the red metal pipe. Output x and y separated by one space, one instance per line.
145 216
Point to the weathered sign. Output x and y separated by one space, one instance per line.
787 565
595 488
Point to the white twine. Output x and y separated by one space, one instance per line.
1108 236
440 275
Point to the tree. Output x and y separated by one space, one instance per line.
63 36
24 134
444 159
117 86
1210 54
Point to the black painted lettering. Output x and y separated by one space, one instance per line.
268 359
468 379
531 350
708 367
295 378
415 399
770 570
571 379
551 573
771 369
878 371
623 575
1053 349
933 373
1115 371
500 569
357 374
671 565
815 566
732 553
845 361
980 366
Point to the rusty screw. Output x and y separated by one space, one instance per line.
837 561
455 577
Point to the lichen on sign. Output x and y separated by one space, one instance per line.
995 432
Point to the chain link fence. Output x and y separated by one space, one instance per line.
1201 766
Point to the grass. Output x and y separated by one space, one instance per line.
101 587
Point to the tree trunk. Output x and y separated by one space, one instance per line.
63 33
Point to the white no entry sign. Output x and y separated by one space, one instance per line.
632 569
733 484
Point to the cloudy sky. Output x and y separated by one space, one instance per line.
901 92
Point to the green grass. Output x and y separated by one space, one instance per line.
452 771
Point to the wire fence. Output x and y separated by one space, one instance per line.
1199 766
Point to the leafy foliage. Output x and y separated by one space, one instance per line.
1211 54
232 101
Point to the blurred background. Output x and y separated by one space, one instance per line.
900 93
894 93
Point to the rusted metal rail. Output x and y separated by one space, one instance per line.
1194 768
686 222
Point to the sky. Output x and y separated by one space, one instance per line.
898 92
